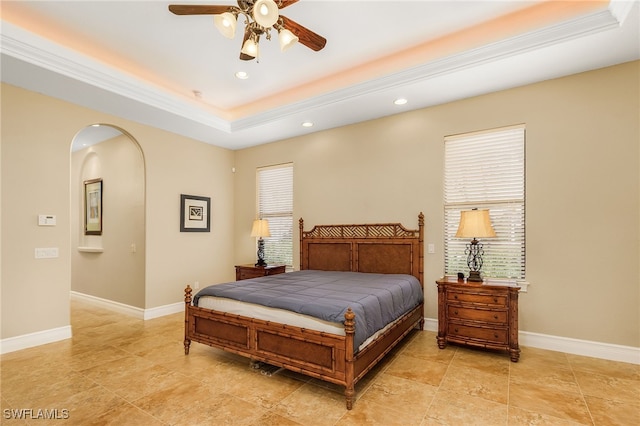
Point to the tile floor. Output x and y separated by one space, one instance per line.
123 371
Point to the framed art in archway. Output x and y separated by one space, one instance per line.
93 207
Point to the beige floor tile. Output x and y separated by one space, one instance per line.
606 367
610 412
608 387
273 419
424 346
452 408
475 382
264 391
419 370
124 415
493 362
557 377
549 401
522 417
85 405
223 410
312 405
408 399
370 413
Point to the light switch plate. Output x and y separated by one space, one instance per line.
46 220
46 253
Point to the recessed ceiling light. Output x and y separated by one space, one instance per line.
307 124
400 101
242 75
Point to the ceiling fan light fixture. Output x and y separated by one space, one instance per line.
250 47
226 23
287 39
265 13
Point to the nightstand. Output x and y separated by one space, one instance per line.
244 272
480 315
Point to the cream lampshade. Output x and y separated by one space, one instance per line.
475 224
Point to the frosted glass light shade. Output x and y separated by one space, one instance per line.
287 39
250 48
265 13
226 23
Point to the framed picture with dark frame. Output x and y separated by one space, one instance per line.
195 213
93 207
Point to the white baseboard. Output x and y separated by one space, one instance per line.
161 311
144 314
568 345
111 305
12 344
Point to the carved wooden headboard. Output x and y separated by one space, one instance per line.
387 248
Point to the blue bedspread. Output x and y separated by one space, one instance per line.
376 299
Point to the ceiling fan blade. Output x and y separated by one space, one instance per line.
284 3
305 36
197 9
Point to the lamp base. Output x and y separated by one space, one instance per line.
474 277
261 261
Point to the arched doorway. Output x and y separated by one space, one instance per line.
107 217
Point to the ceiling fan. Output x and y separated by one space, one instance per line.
261 16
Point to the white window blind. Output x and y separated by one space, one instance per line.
275 204
486 170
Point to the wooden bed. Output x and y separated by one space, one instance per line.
375 248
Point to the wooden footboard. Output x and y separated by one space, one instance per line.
325 356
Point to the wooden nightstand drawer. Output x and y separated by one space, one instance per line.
245 272
485 299
486 335
474 314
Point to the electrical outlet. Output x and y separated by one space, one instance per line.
431 248
196 284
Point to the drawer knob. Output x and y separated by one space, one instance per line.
495 299
495 335
455 329
495 317
455 296
455 312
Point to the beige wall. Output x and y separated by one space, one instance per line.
583 192
582 160
117 271
36 137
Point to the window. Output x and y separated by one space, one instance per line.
275 204
486 170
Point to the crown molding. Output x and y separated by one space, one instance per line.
33 49
28 47
579 27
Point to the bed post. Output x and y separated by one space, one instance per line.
187 304
301 224
349 330
421 260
